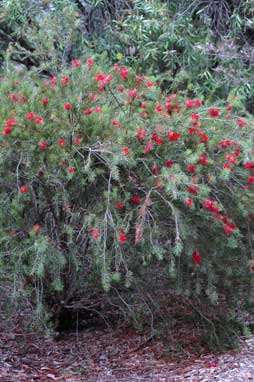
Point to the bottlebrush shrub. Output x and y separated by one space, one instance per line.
101 175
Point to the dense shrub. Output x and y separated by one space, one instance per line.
101 176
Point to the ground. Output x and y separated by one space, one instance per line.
115 356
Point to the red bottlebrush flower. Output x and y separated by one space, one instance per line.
89 62
192 130
76 63
159 184
196 257
203 160
204 138
116 67
96 234
188 202
159 108
43 145
143 105
88 111
24 189
67 106
123 72
226 143
250 180
125 151
119 205
241 122
155 170
38 120
231 158
70 170
10 123
97 109
197 102
45 101
148 147
12 232
226 166
193 189
195 117
132 92
214 112
65 80
120 89
191 168
122 238
7 131
249 165
141 134
77 140
229 228
229 107
210 206
169 163
37 228
90 229
135 199
173 136
61 142
30 115
159 141
115 123
188 103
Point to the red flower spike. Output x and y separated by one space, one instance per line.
43 145
141 134
89 62
45 101
24 189
67 106
169 163
30 116
203 160
155 170
148 147
119 205
76 63
188 202
61 142
193 189
123 72
70 170
88 111
188 103
10 123
38 120
125 151
191 168
214 112
241 122
7 131
122 238
250 180
65 80
135 199
77 140
96 234
196 257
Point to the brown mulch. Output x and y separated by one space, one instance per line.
120 356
